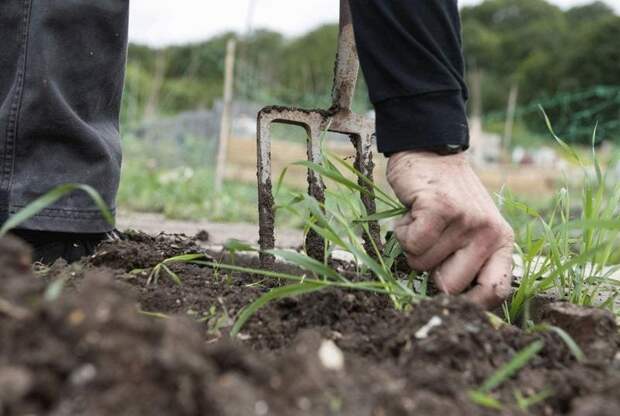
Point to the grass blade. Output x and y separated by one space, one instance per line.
396 212
485 400
512 367
308 263
568 340
274 294
51 197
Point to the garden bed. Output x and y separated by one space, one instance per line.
109 344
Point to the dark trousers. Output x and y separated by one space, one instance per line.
61 79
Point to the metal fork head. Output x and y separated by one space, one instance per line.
337 119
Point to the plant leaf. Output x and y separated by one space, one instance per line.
308 263
509 369
274 294
485 400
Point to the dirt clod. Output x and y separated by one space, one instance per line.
594 329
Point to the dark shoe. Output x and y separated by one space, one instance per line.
47 246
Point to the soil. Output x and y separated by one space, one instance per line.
109 344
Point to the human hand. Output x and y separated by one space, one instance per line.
453 230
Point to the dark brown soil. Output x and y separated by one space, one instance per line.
103 347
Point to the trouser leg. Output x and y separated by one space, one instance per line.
61 79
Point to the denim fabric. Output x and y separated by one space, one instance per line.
62 68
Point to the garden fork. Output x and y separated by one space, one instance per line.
338 119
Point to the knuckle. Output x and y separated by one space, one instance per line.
418 264
473 222
448 287
496 230
393 177
507 234
425 228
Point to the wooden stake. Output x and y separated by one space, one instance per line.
226 122
510 119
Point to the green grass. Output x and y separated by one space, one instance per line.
341 222
188 194
565 252
483 395
567 256
569 253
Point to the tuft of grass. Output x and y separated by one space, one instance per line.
565 255
564 336
524 403
483 397
568 257
156 271
342 222
184 192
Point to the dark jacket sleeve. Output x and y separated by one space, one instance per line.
411 55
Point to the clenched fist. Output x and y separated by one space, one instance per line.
453 229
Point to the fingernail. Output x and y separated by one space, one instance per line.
440 283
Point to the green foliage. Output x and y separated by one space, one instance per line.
176 180
482 396
341 223
164 266
546 52
270 70
568 256
509 41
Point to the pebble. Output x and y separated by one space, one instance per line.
331 356
423 332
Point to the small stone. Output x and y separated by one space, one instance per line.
261 408
202 235
304 403
15 383
423 332
331 356
243 337
84 374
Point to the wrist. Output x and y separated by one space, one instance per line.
426 154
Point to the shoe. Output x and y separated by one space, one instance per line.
48 246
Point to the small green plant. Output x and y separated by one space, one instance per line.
155 273
564 336
483 397
55 288
341 222
566 256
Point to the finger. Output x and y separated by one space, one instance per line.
422 233
455 274
403 221
493 285
448 243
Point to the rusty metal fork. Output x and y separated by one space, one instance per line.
338 119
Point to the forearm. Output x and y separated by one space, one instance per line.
410 52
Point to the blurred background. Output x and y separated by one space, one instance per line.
521 54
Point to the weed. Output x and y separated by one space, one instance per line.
568 257
482 396
564 336
155 273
